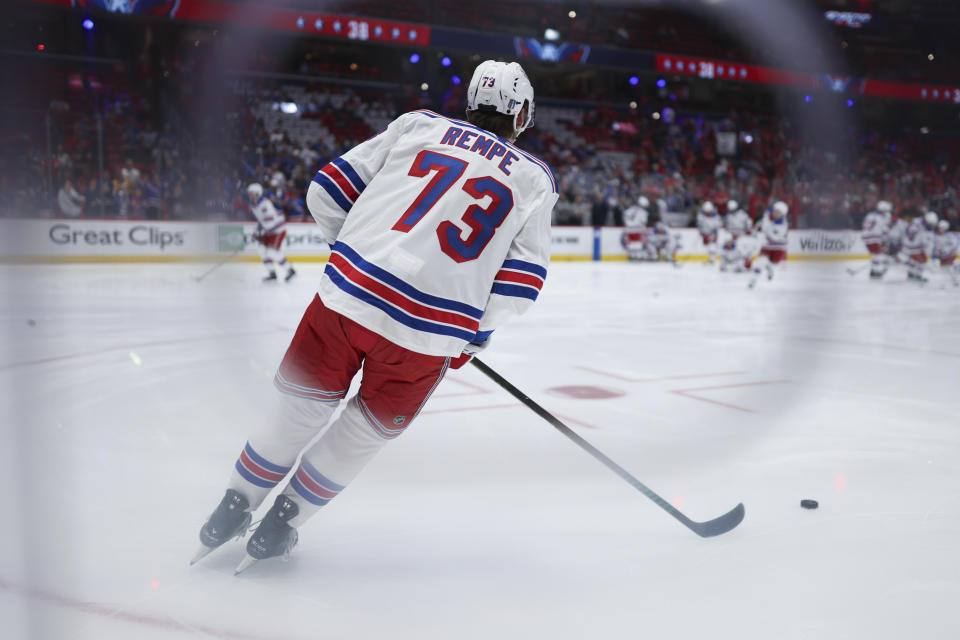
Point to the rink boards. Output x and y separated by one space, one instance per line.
65 240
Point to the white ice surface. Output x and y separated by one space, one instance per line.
127 391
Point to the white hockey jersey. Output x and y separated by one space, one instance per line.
440 232
738 223
895 234
270 218
635 217
773 234
946 246
918 238
875 228
709 225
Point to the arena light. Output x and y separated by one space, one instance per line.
289 107
455 79
414 58
445 61
930 57
656 115
808 98
571 14
88 24
849 102
634 81
551 34
41 47
424 86
661 83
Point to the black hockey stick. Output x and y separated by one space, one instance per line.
854 272
707 529
218 265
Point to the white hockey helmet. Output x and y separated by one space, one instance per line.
930 219
708 207
780 207
943 225
643 202
732 206
255 190
502 87
884 206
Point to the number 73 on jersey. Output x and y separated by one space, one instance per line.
482 221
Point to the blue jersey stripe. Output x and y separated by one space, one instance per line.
252 479
518 291
330 187
351 174
521 265
263 462
319 478
398 284
393 312
306 494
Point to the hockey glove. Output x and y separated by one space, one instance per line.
469 350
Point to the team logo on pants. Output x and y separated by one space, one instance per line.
399 420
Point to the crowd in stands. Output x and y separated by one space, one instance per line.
604 159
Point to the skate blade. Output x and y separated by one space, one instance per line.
202 553
245 564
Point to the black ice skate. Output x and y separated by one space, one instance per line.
229 520
274 537
271 277
290 274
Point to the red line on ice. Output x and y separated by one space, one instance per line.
686 393
681 377
147 620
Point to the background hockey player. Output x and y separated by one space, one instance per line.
270 234
918 245
772 234
447 237
893 238
635 231
709 223
945 248
876 225
661 244
733 257
738 222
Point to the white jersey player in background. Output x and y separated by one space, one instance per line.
635 231
945 248
738 221
876 225
440 233
661 244
918 245
709 224
772 233
270 234
733 257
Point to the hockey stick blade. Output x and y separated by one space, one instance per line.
707 529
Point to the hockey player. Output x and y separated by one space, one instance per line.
876 225
733 257
635 232
945 248
270 234
894 235
772 231
738 221
709 223
918 245
661 245
447 237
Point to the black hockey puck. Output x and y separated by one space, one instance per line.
31 322
809 504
